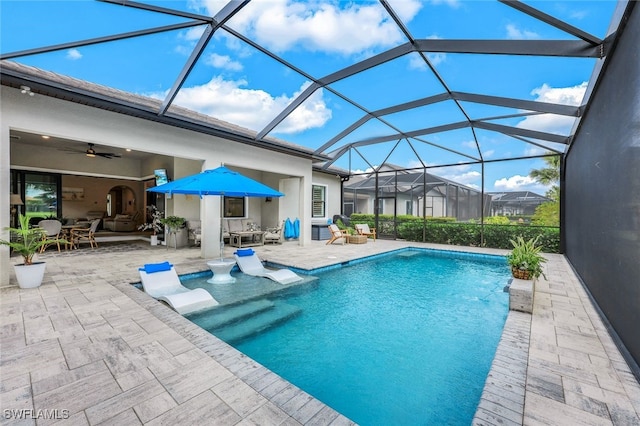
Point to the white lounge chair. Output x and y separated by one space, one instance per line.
161 282
252 265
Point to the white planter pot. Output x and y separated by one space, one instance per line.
30 276
154 240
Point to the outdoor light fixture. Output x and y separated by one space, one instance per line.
26 89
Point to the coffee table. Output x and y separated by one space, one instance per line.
246 238
356 239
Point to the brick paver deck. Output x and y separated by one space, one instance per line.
88 348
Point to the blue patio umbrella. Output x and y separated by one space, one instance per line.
219 181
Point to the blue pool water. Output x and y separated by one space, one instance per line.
404 339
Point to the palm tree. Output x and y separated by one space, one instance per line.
548 214
549 175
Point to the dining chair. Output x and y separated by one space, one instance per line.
89 234
50 231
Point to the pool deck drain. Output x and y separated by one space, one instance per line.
96 349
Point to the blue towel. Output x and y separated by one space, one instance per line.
150 268
296 228
244 252
288 228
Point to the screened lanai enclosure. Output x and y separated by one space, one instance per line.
412 193
423 109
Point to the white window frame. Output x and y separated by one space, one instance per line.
325 190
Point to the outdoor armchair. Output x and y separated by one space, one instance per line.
274 235
195 229
51 230
363 229
89 234
337 233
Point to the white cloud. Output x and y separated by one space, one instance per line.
74 54
230 101
533 150
359 171
579 14
413 164
551 123
281 25
470 144
561 95
461 174
515 33
224 62
406 10
517 183
311 114
417 63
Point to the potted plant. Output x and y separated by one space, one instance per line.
155 224
173 224
525 259
28 242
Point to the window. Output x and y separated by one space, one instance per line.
319 201
42 194
234 207
409 207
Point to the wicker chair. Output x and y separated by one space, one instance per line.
51 230
89 234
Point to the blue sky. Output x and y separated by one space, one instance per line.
233 81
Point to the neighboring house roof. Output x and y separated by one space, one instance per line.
406 180
518 196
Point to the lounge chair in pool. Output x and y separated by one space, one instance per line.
161 281
337 233
363 229
250 264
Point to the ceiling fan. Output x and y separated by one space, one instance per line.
90 152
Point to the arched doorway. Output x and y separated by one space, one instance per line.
121 200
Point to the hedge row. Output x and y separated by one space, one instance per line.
448 231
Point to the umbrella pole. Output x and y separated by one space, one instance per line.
221 235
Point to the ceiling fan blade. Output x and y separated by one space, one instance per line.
108 155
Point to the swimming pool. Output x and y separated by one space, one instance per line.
405 339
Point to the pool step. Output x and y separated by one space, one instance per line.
257 323
228 315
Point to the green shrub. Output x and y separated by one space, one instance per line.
447 231
497 220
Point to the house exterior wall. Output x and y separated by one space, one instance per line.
333 196
45 115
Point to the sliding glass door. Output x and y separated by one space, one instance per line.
40 192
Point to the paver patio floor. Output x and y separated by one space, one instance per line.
89 348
